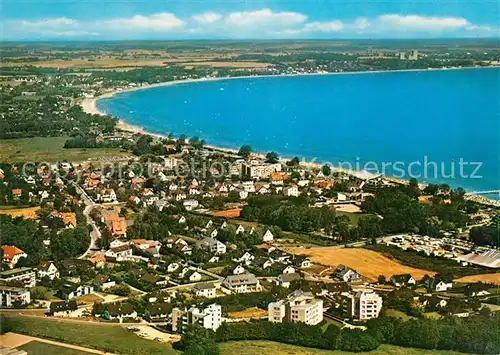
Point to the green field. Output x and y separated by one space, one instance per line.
39 348
272 348
48 149
114 339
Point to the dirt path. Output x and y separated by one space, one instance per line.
14 340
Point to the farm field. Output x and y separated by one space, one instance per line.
273 348
49 149
27 212
487 278
368 263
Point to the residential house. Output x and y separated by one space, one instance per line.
71 290
193 276
243 283
68 218
238 270
402 280
434 303
47 269
205 289
190 205
63 308
291 191
284 280
346 274
103 282
245 258
120 311
438 283
121 253
159 311
268 236
106 195
214 245
12 254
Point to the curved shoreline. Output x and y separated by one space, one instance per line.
89 105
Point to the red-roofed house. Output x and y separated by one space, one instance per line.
12 254
69 218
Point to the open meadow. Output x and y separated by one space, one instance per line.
273 348
104 337
369 264
50 149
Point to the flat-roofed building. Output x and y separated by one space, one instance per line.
362 304
26 275
12 295
299 306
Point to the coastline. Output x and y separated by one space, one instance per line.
89 105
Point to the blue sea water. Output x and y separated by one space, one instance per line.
424 117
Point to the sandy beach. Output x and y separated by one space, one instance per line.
89 105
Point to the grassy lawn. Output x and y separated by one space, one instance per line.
397 314
272 348
48 149
39 348
108 338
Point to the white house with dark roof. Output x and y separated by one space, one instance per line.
242 283
205 289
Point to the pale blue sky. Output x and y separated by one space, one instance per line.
155 19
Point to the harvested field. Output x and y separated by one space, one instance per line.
28 212
253 312
487 278
369 264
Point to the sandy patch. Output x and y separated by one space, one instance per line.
253 312
369 264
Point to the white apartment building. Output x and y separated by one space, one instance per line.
11 295
209 318
260 171
299 306
362 304
25 275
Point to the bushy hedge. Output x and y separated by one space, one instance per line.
477 334
299 334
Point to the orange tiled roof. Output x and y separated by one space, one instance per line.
17 192
9 251
67 217
118 226
276 176
98 259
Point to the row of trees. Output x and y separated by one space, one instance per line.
477 334
299 334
